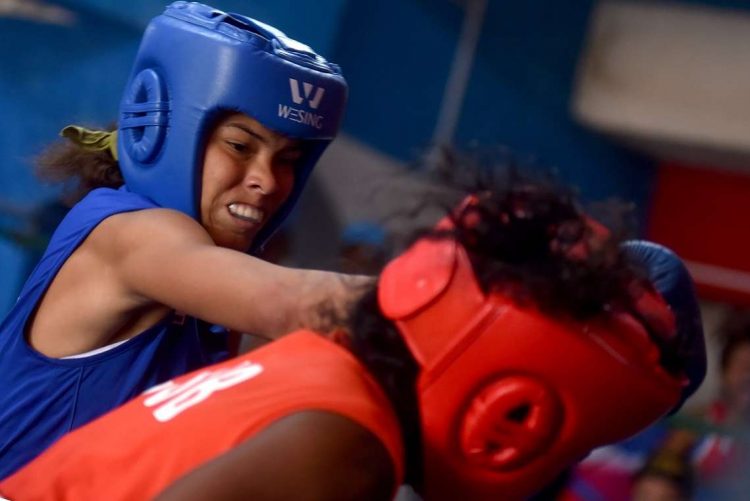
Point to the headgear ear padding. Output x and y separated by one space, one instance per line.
196 62
509 422
508 395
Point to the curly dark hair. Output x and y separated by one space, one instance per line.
78 170
527 237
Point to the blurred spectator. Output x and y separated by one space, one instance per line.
719 438
733 404
608 473
362 248
666 476
715 440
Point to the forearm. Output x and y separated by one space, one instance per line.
246 294
185 271
317 300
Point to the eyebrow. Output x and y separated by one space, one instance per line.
298 145
248 130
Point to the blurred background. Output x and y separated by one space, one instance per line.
643 101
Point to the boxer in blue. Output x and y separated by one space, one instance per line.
220 125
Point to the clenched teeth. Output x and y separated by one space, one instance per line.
246 212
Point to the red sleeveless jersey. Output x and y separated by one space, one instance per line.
137 450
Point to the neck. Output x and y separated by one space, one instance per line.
377 343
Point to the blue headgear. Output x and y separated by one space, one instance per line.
195 62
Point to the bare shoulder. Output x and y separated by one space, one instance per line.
312 455
99 288
121 232
138 244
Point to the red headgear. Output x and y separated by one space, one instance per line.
510 396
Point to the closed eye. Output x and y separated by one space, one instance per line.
238 147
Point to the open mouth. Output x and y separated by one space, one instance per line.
246 212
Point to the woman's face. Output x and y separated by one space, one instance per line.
248 173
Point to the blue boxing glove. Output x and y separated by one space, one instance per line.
669 276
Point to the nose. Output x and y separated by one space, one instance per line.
260 175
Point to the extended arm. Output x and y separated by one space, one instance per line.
182 268
136 267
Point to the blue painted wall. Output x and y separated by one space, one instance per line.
518 94
51 76
396 55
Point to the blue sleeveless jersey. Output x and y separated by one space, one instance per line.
42 398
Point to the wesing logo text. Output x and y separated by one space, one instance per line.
299 115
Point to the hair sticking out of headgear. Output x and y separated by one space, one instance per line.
529 236
78 166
